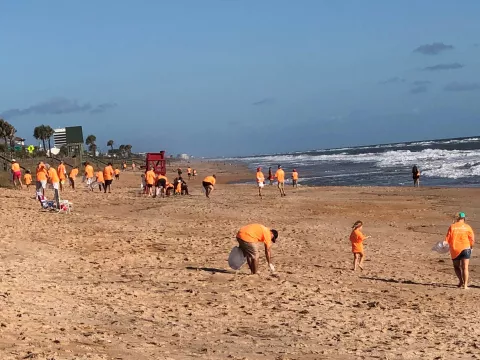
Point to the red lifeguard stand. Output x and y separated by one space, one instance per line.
156 161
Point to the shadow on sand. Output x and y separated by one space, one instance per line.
211 270
410 282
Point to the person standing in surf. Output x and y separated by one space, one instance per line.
416 176
270 176
260 181
280 176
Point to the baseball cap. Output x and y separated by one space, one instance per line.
461 215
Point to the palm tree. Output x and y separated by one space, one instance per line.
128 149
39 134
48 135
110 143
90 141
7 132
121 149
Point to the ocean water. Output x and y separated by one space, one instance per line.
447 162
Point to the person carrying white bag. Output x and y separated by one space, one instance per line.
250 239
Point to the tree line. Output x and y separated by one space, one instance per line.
44 134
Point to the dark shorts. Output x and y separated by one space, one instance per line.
149 185
108 182
117 176
162 183
464 255
206 184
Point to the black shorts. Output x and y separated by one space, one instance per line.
464 255
162 183
117 176
206 184
149 185
108 182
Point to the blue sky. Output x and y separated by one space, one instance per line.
241 77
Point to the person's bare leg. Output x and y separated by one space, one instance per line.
464 266
254 265
354 262
360 261
458 272
250 263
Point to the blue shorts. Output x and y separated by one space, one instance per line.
464 255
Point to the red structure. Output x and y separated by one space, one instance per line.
156 161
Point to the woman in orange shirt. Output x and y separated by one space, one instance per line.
208 184
27 178
357 238
460 239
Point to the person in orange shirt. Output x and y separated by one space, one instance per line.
260 181
169 189
460 239
250 238
27 178
100 180
295 178
161 185
108 174
73 174
53 179
189 173
209 184
117 174
62 174
16 174
124 166
150 180
280 176
357 238
41 177
89 174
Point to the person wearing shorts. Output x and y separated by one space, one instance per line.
41 177
295 178
250 240
260 181
72 176
161 185
209 184
150 180
16 174
280 176
55 181
117 174
89 174
108 174
460 239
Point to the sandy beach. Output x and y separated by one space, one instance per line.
128 277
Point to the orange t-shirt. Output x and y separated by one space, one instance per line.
256 233
100 178
73 173
89 171
260 177
169 186
15 167
61 171
210 179
41 172
53 176
150 177
280 175
160 176
295 175
28 179
117 172
356 237
459 237
108 173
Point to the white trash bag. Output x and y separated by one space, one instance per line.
236 259
441 248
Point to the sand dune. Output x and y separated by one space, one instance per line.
127 277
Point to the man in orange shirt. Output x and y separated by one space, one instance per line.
108 174
208 184
280 176
161 185
250 238
55 181
189 172
16 174
460 239
41 177
117 174
295 178
73 174
260 181
100 180
89 174
150 180
62 174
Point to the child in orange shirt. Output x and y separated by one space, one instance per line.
357 238
27 178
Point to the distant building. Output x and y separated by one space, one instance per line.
60 137
183 156
19 141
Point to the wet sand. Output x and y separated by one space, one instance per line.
127 277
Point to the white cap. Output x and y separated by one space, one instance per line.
13 160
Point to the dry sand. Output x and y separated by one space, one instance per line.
126 277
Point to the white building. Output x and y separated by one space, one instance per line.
59 138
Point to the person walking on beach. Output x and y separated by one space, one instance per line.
416 176
280 176
27 179
62 174
260 181
108 174
41 177
194 173
150 180
357 238
16 174
189 173
72 176
209 184
133 166
295 178
250 239
460 239
100 180
54 180
271 178
89 173
117 174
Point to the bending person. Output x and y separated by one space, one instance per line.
208 184
250 238
460 239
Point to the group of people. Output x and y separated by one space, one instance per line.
157 185
279 176
102 178
190 172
